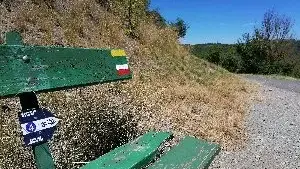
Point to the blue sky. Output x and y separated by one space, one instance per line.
224 21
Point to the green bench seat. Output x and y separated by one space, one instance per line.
135 154
190 153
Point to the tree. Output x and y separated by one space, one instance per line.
181 27
158 19
275 26
131 12
276 30
268 49
135 12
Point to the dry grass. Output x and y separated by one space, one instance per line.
171 90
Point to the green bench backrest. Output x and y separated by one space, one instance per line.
26 68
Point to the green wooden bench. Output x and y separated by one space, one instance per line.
26 69
190 153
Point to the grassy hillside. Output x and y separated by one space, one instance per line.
171 90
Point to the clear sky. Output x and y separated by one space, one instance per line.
224 21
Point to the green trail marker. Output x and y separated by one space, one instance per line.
26 69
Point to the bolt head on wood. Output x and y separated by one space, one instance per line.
25 59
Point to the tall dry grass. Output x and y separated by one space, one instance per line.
171 90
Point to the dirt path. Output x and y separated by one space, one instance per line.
273 127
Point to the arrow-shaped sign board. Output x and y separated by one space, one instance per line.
38 126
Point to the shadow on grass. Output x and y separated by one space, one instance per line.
94 134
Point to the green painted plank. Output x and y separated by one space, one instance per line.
133 155
43 157
44 68
13 38
190 153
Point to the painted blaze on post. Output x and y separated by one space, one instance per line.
38 126
123 69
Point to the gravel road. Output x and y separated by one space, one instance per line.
273 127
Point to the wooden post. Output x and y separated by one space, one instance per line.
42 155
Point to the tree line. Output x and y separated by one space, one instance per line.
270 49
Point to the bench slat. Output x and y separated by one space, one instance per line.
25 68
135 154
190 153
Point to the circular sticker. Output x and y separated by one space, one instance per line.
30 127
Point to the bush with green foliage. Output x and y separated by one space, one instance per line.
180 26
271 48
221 54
